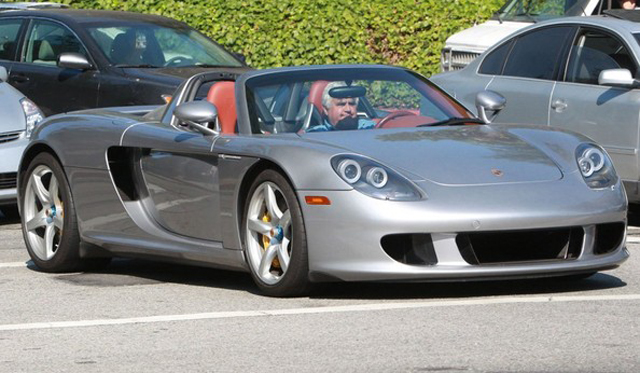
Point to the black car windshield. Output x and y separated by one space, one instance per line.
320 100
148 45
539 10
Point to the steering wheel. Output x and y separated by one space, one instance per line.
177 61
393 115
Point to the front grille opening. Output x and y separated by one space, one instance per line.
8 180
608 237
410 248
520 246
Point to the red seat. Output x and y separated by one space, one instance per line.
222 94
315 94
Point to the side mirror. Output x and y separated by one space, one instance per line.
3 74
617 78
74 61
489 101
196 113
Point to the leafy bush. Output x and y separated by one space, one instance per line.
274 33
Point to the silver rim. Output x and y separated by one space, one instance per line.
268 233
43 213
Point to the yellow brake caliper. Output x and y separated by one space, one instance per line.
266 240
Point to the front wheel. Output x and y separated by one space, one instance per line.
274 237
48 217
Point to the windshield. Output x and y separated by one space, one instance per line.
348 99
539 10
147 45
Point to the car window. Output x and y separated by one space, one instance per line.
595 51
46 41
492 64
338 99
537 54
146 44
9 29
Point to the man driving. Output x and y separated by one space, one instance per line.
340 111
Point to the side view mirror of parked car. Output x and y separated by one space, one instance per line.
617 78
74 61
3 74
489 101
197 114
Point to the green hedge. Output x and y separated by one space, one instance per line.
274 33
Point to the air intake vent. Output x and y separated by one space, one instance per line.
520 246
10 136
608 237
8 180
410 248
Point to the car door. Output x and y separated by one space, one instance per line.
609 115
178 179
37 75
528 75
9 36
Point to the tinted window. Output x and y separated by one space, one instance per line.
47 40
492 64
595 51
8 38
536 54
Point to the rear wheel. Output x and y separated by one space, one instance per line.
274 237
49 221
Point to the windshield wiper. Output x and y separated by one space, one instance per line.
528 15
208 65
141 66
498 14
453 122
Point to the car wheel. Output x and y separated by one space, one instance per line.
48 216
275 242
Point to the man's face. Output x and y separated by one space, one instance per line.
341 109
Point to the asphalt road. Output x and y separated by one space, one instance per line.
140 316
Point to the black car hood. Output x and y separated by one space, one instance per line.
175 75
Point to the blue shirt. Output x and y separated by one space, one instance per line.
363 124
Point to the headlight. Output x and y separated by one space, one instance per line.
595 166
32 114
374 179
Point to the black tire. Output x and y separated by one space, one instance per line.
295 280
65 248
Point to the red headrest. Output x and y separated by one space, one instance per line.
222 94
315 93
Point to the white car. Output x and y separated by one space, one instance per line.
463 47
19 116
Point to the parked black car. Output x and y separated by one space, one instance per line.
66 59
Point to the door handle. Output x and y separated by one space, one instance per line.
559 105
19 78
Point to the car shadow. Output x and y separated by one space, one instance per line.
130 272
470 289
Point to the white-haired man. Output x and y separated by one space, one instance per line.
340 113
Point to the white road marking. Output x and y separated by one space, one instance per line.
633 239
13 265
316 310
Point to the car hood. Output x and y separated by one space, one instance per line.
479 38
467 155
175 75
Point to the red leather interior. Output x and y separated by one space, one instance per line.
315 94
222 94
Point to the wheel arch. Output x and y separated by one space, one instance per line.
27 157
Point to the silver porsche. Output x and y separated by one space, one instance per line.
315 174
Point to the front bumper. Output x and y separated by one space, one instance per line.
10 155
344 239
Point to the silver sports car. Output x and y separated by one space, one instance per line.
327 173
